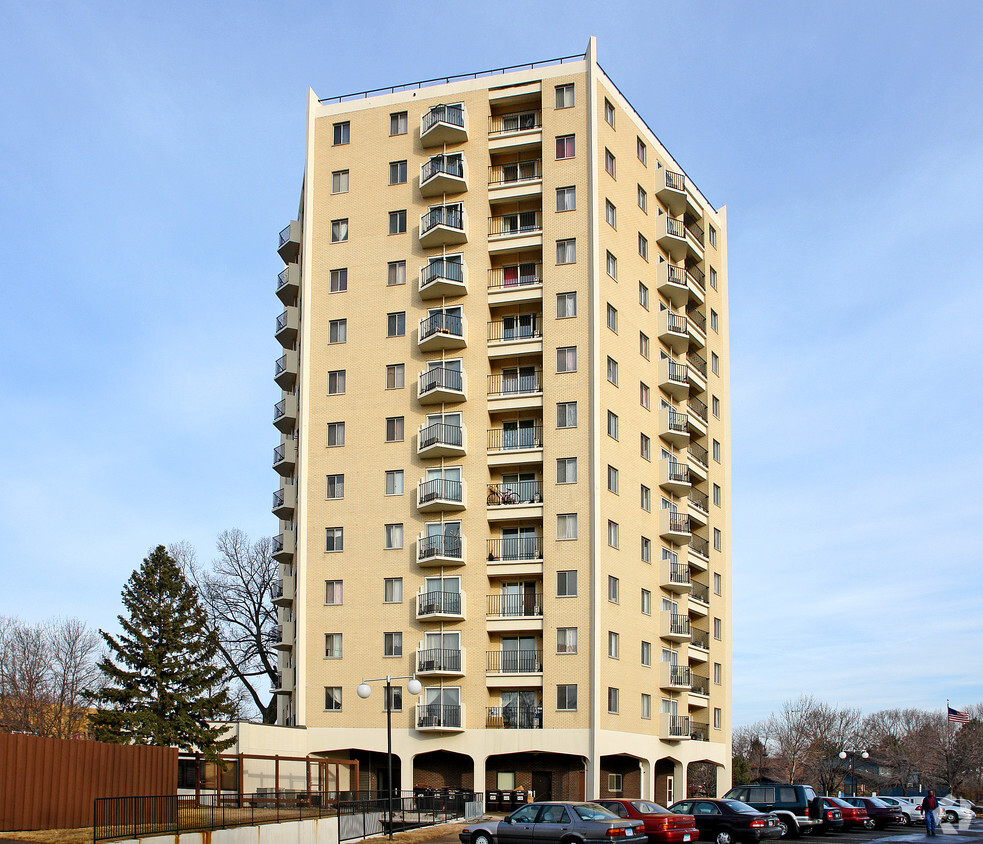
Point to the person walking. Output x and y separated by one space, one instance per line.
929 806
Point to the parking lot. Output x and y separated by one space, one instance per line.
972 831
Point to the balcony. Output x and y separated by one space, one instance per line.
515 446
515 555
440 606
699 552
673 727
442 277
697 284
285 633
675 577
284 501
674 476
289 245
285 370
674 626
673 426
441 440
700 643
440 662
441 384
515 232
673 378
671 191
524 662
699 731
697 457
516 130
699 686
442 331
515 180
284 546
515 500
515 613
694 239
515 390
673 331
284 590
696 327
672 283
285 414
444 124
514 717
288 284
440 495
285 457
674 527
439 718
444 225
284 682
670 234
515 284
287 326
696 417
674 677
443 174
699 508
696 372
441 549
701 596
514 336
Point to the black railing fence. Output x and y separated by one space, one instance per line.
442 268
450 114
508 439
516 275
515 548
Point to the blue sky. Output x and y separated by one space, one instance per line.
151 152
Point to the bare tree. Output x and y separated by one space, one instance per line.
894 734
790 732
833 730
701 779
750 743
74 653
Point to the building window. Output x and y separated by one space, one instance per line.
566 526
566 251
717 540
643 246
714 322
612 317
566 199
609 163
396 699
612 425
396 324
392 592
613 534
718 718
342 133
712 232
714 363
339 230
398 124
716 450
332 646
566 470
614 645
335 539
612 700
715 406
333 592
394 482
336 434
336 486
718 671
566 584
338 280
646 498
609 113
717 583
397 222
566 359
564 147
643 344
611 265
564 96
614 588
394 537
397 273
716 494
566 640
394 429
336 382
643 395
505 781
646 705
717 626
395 376
713 278
646 550
643 199
332 694
610 214
644 447
643 296
337 330
566 698
641 150
392 644
566 414
646 602
647 653
397 172
613 371
339 181
566 305
612 479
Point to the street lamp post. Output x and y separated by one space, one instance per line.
853 758
414 687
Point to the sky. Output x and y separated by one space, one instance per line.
151 152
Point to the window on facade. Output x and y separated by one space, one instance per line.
718 672
335 539
566 697
718 718
392 644
610 214
613 534
336 486
712 232
612 317
641 150
717 628
643 246
609 162
646 653
716 450
716 494
397 273
717 583
566 526
614 645
564 96
336 434
717 540
646 550
643 296
395 699
333 592
566 584
646 706
612 425
714 320
566 640
566 305
613 371
566 470
646 498
646 602
396 324
609 113
566 199
339 230
342 133
332 646
338 280
339 181
643 395
394 482
611 265
398 123
614 589
564 147
645 447
612 479
643 199
566 359
714 363
337 330
394 536
643 344
336 382
713 278
397 222
612 700
332 697
566 251
566 414
395 376
392 592
397 172
394 429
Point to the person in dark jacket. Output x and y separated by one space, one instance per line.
929 805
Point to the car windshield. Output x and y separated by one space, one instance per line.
948 801
593 812
646 808
835 801
738 806
879 803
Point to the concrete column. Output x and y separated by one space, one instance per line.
680 776
647 784
406 773
479 773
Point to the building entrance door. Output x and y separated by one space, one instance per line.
542 785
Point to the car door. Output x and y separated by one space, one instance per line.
708 818
519 827
553 824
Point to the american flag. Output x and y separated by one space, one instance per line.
957 716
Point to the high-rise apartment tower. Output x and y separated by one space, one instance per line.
505 454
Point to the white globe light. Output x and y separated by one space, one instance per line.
414 686
363 690
865 755
842 754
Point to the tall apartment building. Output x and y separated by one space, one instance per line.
505 442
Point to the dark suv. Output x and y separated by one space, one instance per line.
797 806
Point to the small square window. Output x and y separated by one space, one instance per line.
566 199
396 324
392 644
611 264
715 406
609 163
566 526
566 470
646 498
337 330
609 113
336 434
613 709
613 371
612 479
398 123
644 397
612 317
610 214
645 447
338 280
565 147
713 278
342 133
716 494
643 246
566 414
614 531
643 344
564 96
643 199
394 537
393 590
612 425
397 222
614 645
395 376
646 602
643 296
397 172
566 640
394 429
333 592
566 359
339 181
714 320
394 482
335 539
566 251
641 150
646 550
566 305
335 486
332 694
566 697
566 584
714 363
336 382
339 231
332 646
397 274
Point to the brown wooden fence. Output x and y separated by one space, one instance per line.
48 783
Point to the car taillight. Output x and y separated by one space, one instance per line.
758 822
615 831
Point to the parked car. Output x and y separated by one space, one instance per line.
880 813
796 806
554 821
953 811
727 821
661 825
854 817
910 813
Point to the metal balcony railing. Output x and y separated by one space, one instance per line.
515 492
284 236
515 172
677 275
515 439
698 363
675 228
701 593
699 731
515 548
675 323
700 639
678 422
284 275
676 675
677 371
519 121
441 323
440 268
678 725
448 165
700 500
276 589
699 454
523 222
515 275
280 365
679 624
279 453
438 715
679 573
278 499
700 685
698 276
443 377
279 409
277 543
678 472
515 662
695 231
432 603
515 328
440 489
679 522
700 546
281 322
451 114
675 181
440 545
697 319
698 408
521 383
440 433
450 216
513 717
438 659
527 605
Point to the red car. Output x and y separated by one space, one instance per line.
661 825
854 817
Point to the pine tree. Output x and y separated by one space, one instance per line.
164 683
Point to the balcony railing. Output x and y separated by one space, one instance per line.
699 500
515 549
524 222
678 624
697 319
515 172
675 323
700 685
675 726
438 715
696 232
675 675
515 662
700 546
677 372
700 639
698 408
677 275
440 489
452 114
442 377
284 275
515 384
678 472
276 589
515 492
440 545
679 574
448 165
284 236
441 323
528 605
699 731
698 276
698 363
451 217
277 499
438 659
675 181
675 228
699 454
520 121
515 439
513 717
677 422
701 593
441 269
513 330
514 276
432 603
678 522
440 433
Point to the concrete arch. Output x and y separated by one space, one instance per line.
703 778
624 775
444 769
550 776
669 774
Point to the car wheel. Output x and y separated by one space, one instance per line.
789 829
950 817
724 837
481 838
869 823
904 820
